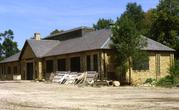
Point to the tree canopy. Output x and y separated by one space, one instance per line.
127 42
8 47
103 24
165 27
135 13
56 31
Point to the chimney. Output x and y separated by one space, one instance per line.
37 36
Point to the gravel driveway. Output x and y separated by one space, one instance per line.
26 95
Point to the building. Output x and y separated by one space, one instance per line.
77 50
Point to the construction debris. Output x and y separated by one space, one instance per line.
84 78
67 77
116 83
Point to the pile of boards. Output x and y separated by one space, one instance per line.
67 77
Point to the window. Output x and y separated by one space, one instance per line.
141 62
49 66
62 65
95 63
88 60
9 70
75 64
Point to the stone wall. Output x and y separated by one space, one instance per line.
4 70
164 65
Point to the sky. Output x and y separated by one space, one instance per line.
25 17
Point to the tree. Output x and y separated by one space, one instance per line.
127 42
165 27
8 47
56 31
149 17
135 13
177 46
103 24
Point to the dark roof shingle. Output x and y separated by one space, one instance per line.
151 45
12 58
156 46
41 47
90 41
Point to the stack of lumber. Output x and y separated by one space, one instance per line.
66 77
56 77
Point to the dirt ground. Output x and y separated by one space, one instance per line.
46 96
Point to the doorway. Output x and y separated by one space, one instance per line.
75 64
30 71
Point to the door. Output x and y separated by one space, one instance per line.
75 64
30 71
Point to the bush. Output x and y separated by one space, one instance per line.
172 79
174 72
149 81
165 82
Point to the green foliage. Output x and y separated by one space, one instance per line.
149 17
165 27
127 39
103 24
177 47
8 47
135 13
174 72
7 34
56 31
165 82
172 79
124 38
150 81
141 61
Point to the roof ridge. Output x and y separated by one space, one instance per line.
105 42
34 48
69 30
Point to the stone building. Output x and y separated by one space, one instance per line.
78 50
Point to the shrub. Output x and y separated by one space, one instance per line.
174 72
172 79
165 81
149 81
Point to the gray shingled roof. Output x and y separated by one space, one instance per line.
11 58
90 41
151 45
156 46
41 47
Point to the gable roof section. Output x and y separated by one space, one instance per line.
97 40
41 47
156 46
90 41
151 45
12 58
